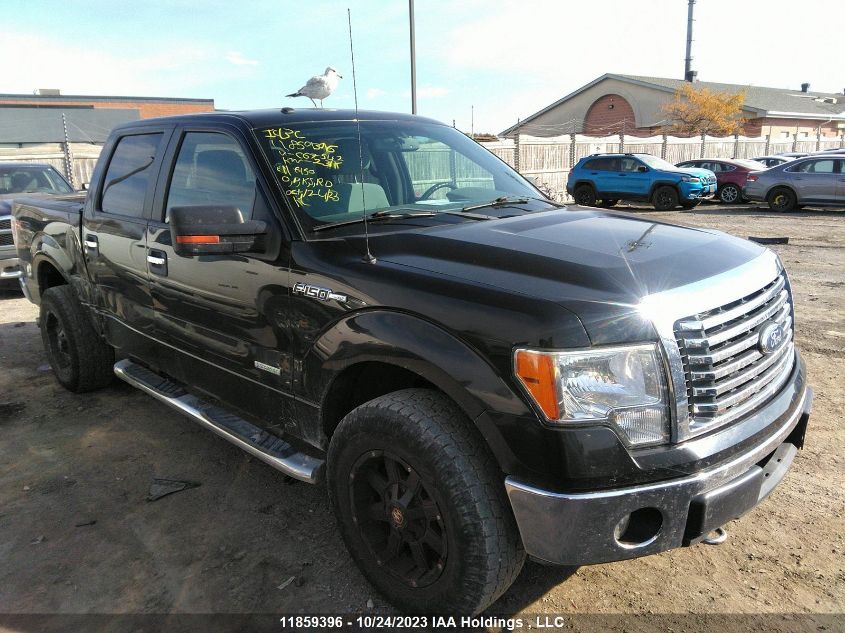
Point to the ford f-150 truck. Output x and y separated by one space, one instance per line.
477 373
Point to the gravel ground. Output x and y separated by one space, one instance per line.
78 536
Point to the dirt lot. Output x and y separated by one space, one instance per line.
78 536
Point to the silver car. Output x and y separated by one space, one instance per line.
814 180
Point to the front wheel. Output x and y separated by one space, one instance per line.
421 504
730 194
782 199
665 198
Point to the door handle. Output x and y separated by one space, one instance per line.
92 244
157 262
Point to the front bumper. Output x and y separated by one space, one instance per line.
10 268
607 525
698 193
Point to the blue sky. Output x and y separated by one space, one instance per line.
505 58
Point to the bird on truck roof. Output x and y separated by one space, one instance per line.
319 86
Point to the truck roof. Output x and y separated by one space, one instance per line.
276 116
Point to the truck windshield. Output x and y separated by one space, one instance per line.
31 179
331 177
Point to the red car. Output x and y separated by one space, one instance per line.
730 175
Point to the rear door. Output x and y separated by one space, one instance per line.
840 188
114 234
816 180
223 318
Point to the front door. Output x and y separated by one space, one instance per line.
114 236
632 180
223 318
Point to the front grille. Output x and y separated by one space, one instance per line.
6 224
727 375
6 239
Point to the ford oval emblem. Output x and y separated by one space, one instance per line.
771 336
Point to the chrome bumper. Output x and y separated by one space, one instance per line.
10 268
603 526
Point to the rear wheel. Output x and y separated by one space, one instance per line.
665 198
730 194
80 358
421 504
585 195
782 199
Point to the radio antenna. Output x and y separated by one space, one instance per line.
368 256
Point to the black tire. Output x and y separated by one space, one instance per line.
730 194
782 199
606 203
456 528
80 358
665 198
585 195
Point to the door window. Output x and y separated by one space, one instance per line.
128 175
630 164
211 168
816 167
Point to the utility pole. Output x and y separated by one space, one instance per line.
688 73
413 59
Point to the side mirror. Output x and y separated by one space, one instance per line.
214 230
642 169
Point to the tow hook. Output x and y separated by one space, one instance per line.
716 537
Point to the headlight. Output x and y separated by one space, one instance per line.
621 386
690 179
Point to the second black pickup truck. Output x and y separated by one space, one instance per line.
477 372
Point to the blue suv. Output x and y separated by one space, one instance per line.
604 179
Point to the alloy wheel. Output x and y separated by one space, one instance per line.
398 518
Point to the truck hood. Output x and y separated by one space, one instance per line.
597 264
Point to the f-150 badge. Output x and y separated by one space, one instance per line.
316 292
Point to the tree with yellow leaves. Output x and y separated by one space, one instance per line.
697 110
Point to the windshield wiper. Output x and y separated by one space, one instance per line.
498 202
385 214
401 214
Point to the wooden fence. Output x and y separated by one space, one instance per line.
547 161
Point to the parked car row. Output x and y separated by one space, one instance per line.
784 182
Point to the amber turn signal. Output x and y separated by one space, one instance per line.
536 372
198 239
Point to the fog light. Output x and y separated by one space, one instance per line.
639 528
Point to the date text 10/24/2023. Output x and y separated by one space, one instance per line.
423 622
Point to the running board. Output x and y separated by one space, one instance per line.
259 443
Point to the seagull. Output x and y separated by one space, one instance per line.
319 86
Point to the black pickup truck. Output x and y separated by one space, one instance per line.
477 372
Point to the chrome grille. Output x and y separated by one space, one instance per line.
727 376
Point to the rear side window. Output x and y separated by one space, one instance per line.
128 175
605 163
816 167
212 169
